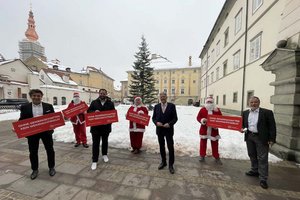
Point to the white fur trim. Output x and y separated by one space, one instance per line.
210 137
141 112
137 130
202 121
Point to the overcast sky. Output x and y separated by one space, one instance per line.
106 33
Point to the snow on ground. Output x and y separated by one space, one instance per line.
186 136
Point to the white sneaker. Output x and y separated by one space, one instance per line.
94 166
105 158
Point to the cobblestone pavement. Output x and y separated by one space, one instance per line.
129 176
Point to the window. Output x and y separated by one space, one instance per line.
212 56
218 49
236 60
238 22
224 99
42 76
165 91
164 72
225 68
217 100
157 72
165 81
217 73
173 81
250 93
182 91
182 81
63 101
157 81
80 82
173 91
255 48
195 70
194 81
235 97
183 71
54 100
256 4
212 77
226 37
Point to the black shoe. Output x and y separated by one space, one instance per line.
162 165
171 169
252 173
76 145
34 174
264 184
85 145
52 172
202 159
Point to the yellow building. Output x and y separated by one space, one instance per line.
179 81
124 91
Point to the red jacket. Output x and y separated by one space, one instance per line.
78 118
205 131
134 127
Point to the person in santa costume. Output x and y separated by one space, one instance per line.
78 123
136 131
207 132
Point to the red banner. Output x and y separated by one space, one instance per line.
227 122
32 126
75 109
101 117
138 118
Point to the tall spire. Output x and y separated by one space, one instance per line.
30 32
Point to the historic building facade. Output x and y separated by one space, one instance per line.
243 36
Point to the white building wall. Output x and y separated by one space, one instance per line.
16 70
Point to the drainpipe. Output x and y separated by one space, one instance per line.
245 56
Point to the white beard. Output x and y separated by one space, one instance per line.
76 100
210 107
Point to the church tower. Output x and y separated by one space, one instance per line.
30 46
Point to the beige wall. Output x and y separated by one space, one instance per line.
191 85
16 70
257 80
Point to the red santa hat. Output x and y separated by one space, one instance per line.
209 99
137 97
76 94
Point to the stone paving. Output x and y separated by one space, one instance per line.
129 176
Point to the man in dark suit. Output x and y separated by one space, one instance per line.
260 133
164 117
34 109
102 103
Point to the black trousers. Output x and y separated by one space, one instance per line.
33 144
96 145
170 144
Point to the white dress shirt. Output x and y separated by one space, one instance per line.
37 110
164 106
252 120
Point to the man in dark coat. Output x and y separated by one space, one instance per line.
102 103
260 133
34 109
164 117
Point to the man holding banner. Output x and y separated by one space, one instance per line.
137 130
208 132
103 103
34 109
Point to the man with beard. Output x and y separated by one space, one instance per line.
260 133
207 132
99 132
78 122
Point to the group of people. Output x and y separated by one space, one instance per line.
258 126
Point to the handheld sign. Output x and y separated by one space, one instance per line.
101 118
138 118
32 126
74 110
227 122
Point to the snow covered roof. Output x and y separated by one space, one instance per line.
15 82
7 61
58 87
57 77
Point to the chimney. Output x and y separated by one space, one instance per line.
153 56
190 61
68 69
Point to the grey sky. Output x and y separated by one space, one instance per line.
106 33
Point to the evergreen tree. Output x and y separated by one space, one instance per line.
143 82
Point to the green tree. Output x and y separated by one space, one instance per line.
142 79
